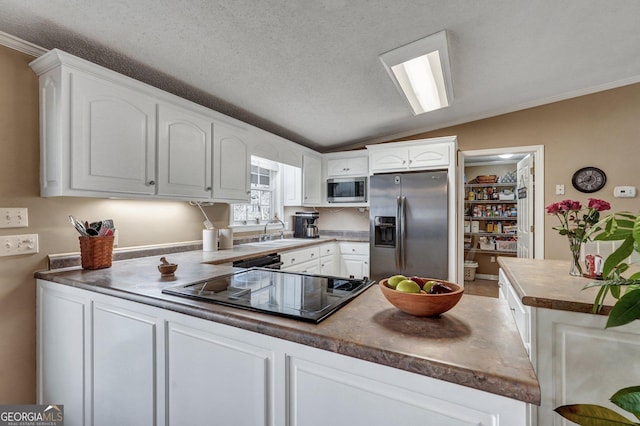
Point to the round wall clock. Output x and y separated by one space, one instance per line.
589 179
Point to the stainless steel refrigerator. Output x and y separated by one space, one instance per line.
409 224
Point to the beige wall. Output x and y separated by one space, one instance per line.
599 130
138 222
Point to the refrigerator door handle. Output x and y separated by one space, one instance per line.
398 234
403 232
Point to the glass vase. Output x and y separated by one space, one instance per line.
576 268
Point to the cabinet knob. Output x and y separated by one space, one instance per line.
152 182
208 188
404 161
312 254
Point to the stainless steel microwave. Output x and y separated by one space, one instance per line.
347 190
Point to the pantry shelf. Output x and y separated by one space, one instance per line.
491 201
505 252
490 234
514 218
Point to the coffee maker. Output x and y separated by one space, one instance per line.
305 225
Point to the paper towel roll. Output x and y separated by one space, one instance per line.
209 240
226 238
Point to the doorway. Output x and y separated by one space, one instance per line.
496 198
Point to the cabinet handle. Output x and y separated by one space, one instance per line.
152 182
248 192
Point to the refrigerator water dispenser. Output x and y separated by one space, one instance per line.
385 231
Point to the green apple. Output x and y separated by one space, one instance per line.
427 286
408 286
393 281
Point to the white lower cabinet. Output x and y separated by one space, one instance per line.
301 260
331 389
320 259
153 366
125 365
309 267
328 266
212 379
62 364
354 259
328 256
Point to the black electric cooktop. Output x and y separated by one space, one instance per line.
294 295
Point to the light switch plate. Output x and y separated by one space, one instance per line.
14 217
11 245
559 189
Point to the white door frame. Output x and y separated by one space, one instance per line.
538 207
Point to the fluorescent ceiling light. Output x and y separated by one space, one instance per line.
420 71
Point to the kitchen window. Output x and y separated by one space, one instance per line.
265 198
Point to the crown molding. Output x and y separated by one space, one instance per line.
20 45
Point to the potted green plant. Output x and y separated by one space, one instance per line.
625 227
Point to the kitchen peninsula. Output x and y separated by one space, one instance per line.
569 347
111 338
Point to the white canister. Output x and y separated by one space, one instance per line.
226 238
209 240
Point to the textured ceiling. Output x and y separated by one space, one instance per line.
309 70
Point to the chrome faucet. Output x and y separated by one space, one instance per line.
265 236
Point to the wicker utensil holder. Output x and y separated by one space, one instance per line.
96 252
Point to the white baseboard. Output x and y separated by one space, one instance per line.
487 277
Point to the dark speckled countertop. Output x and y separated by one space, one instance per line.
476 344
546 283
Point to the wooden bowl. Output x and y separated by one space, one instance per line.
168 269
423 304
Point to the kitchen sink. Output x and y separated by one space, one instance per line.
275 243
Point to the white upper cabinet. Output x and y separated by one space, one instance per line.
291 185
184 153
232 162
403 156
112 137
349 166
103 134
311 180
